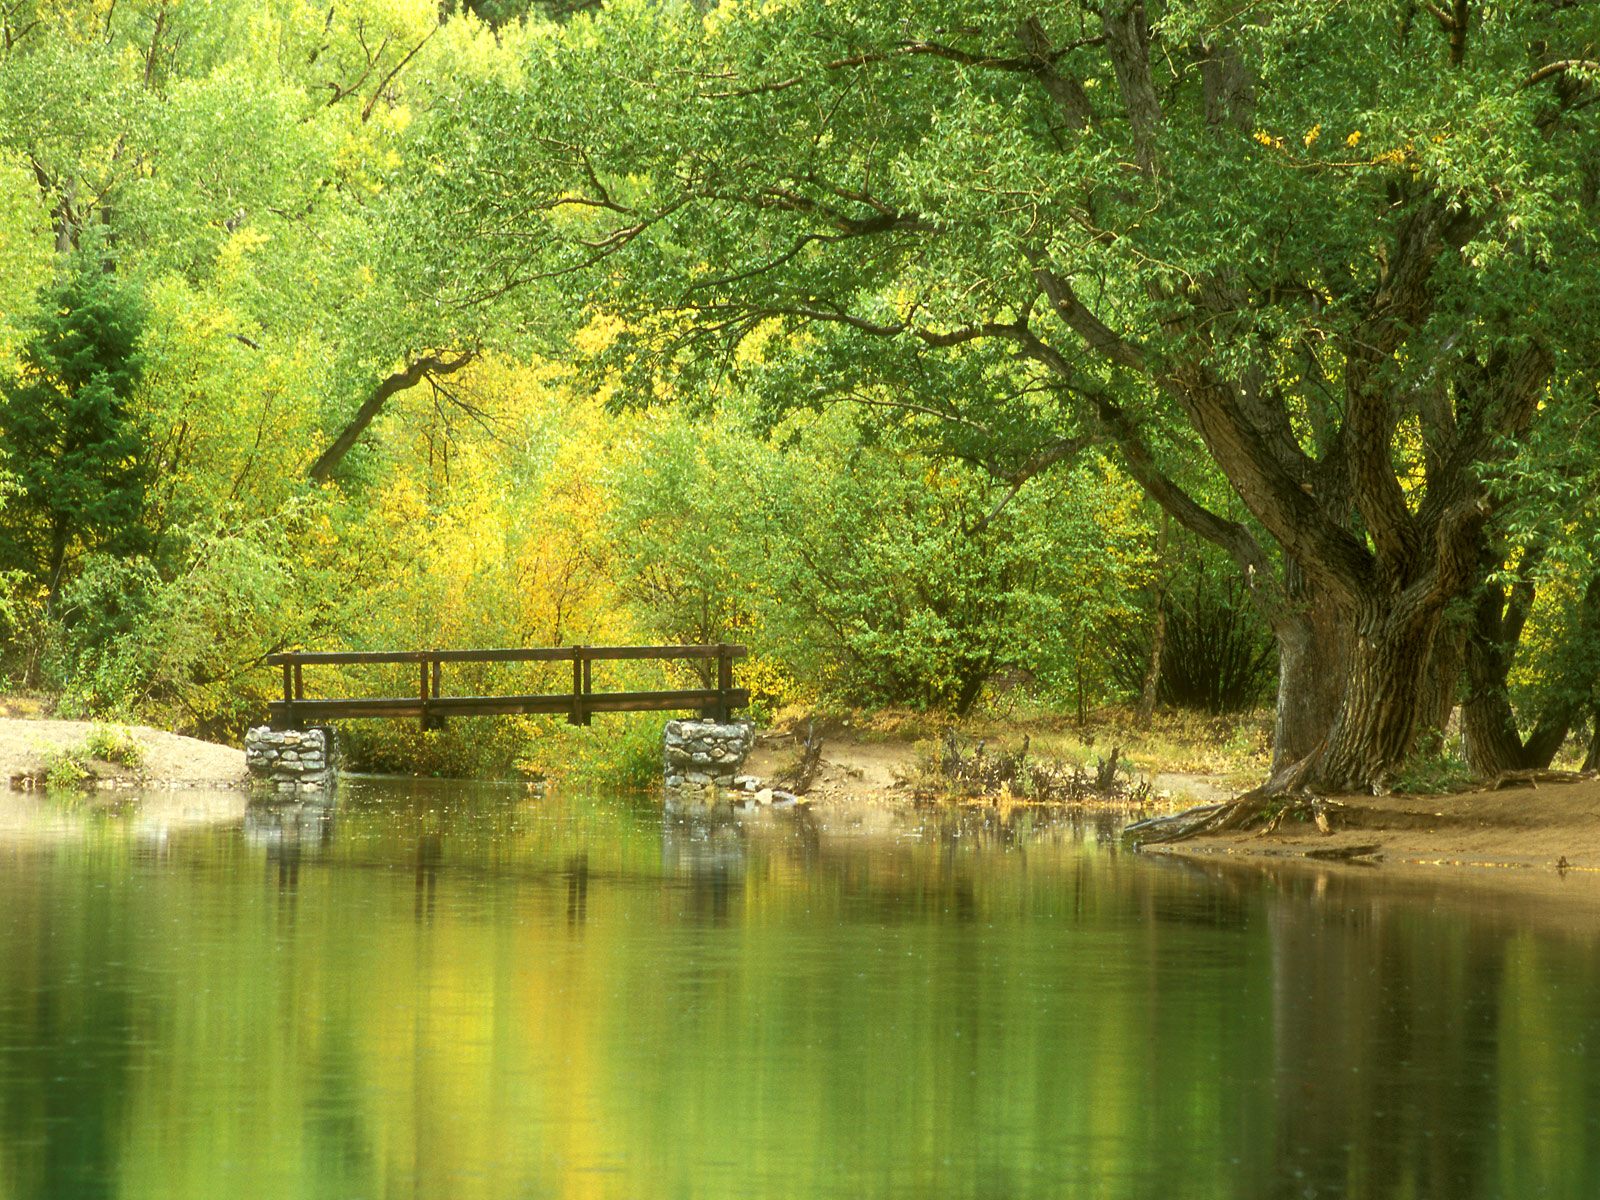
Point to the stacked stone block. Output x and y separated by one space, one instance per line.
705 754
291 760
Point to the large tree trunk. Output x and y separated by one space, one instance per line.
1311 669
1386 667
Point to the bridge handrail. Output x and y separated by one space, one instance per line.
429 704
506 654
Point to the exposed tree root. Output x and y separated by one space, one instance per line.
1262 810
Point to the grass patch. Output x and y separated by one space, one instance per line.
1433 775
622 754
1233 749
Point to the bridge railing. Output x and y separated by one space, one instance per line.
431 705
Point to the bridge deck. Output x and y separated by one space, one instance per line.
431 706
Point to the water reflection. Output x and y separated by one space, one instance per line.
446 992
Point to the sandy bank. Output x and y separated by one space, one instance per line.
165 759
1548 826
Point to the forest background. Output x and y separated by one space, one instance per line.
379 325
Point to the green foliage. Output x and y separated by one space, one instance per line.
73 446
1433 774
63 771
616 753
1217 655
872 575
113 744
837 237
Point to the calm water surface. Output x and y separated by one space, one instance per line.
461 992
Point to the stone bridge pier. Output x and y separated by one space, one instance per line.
700 757
292 760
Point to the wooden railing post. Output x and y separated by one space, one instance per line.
724 680
438 722
422 670
288 695
579 664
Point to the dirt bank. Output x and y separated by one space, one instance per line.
1545 826
163 760
1548 827
875 769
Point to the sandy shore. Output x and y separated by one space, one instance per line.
1548 826
165 759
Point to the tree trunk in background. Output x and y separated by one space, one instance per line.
1149 693
1488 725
409 376
1152 675
59 534
1439 692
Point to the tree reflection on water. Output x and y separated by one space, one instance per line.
477 993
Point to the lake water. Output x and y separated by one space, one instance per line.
456 992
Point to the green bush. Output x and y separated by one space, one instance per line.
113 744
63 771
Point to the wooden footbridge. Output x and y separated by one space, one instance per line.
431 705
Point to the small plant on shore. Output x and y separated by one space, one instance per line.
607 756
951 772
113 744
1433 774
63 771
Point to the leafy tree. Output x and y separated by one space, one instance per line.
868 572
1346 253
75 450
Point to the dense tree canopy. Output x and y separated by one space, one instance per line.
405 288
1344 250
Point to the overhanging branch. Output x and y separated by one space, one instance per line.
409 376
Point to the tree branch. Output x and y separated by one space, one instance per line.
1128 42
408 376
366 110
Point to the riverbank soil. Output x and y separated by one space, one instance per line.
1545 825
164 759
881 758
1549 825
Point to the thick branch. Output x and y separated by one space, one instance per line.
1128 42
1061 87
408 377
1586 65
